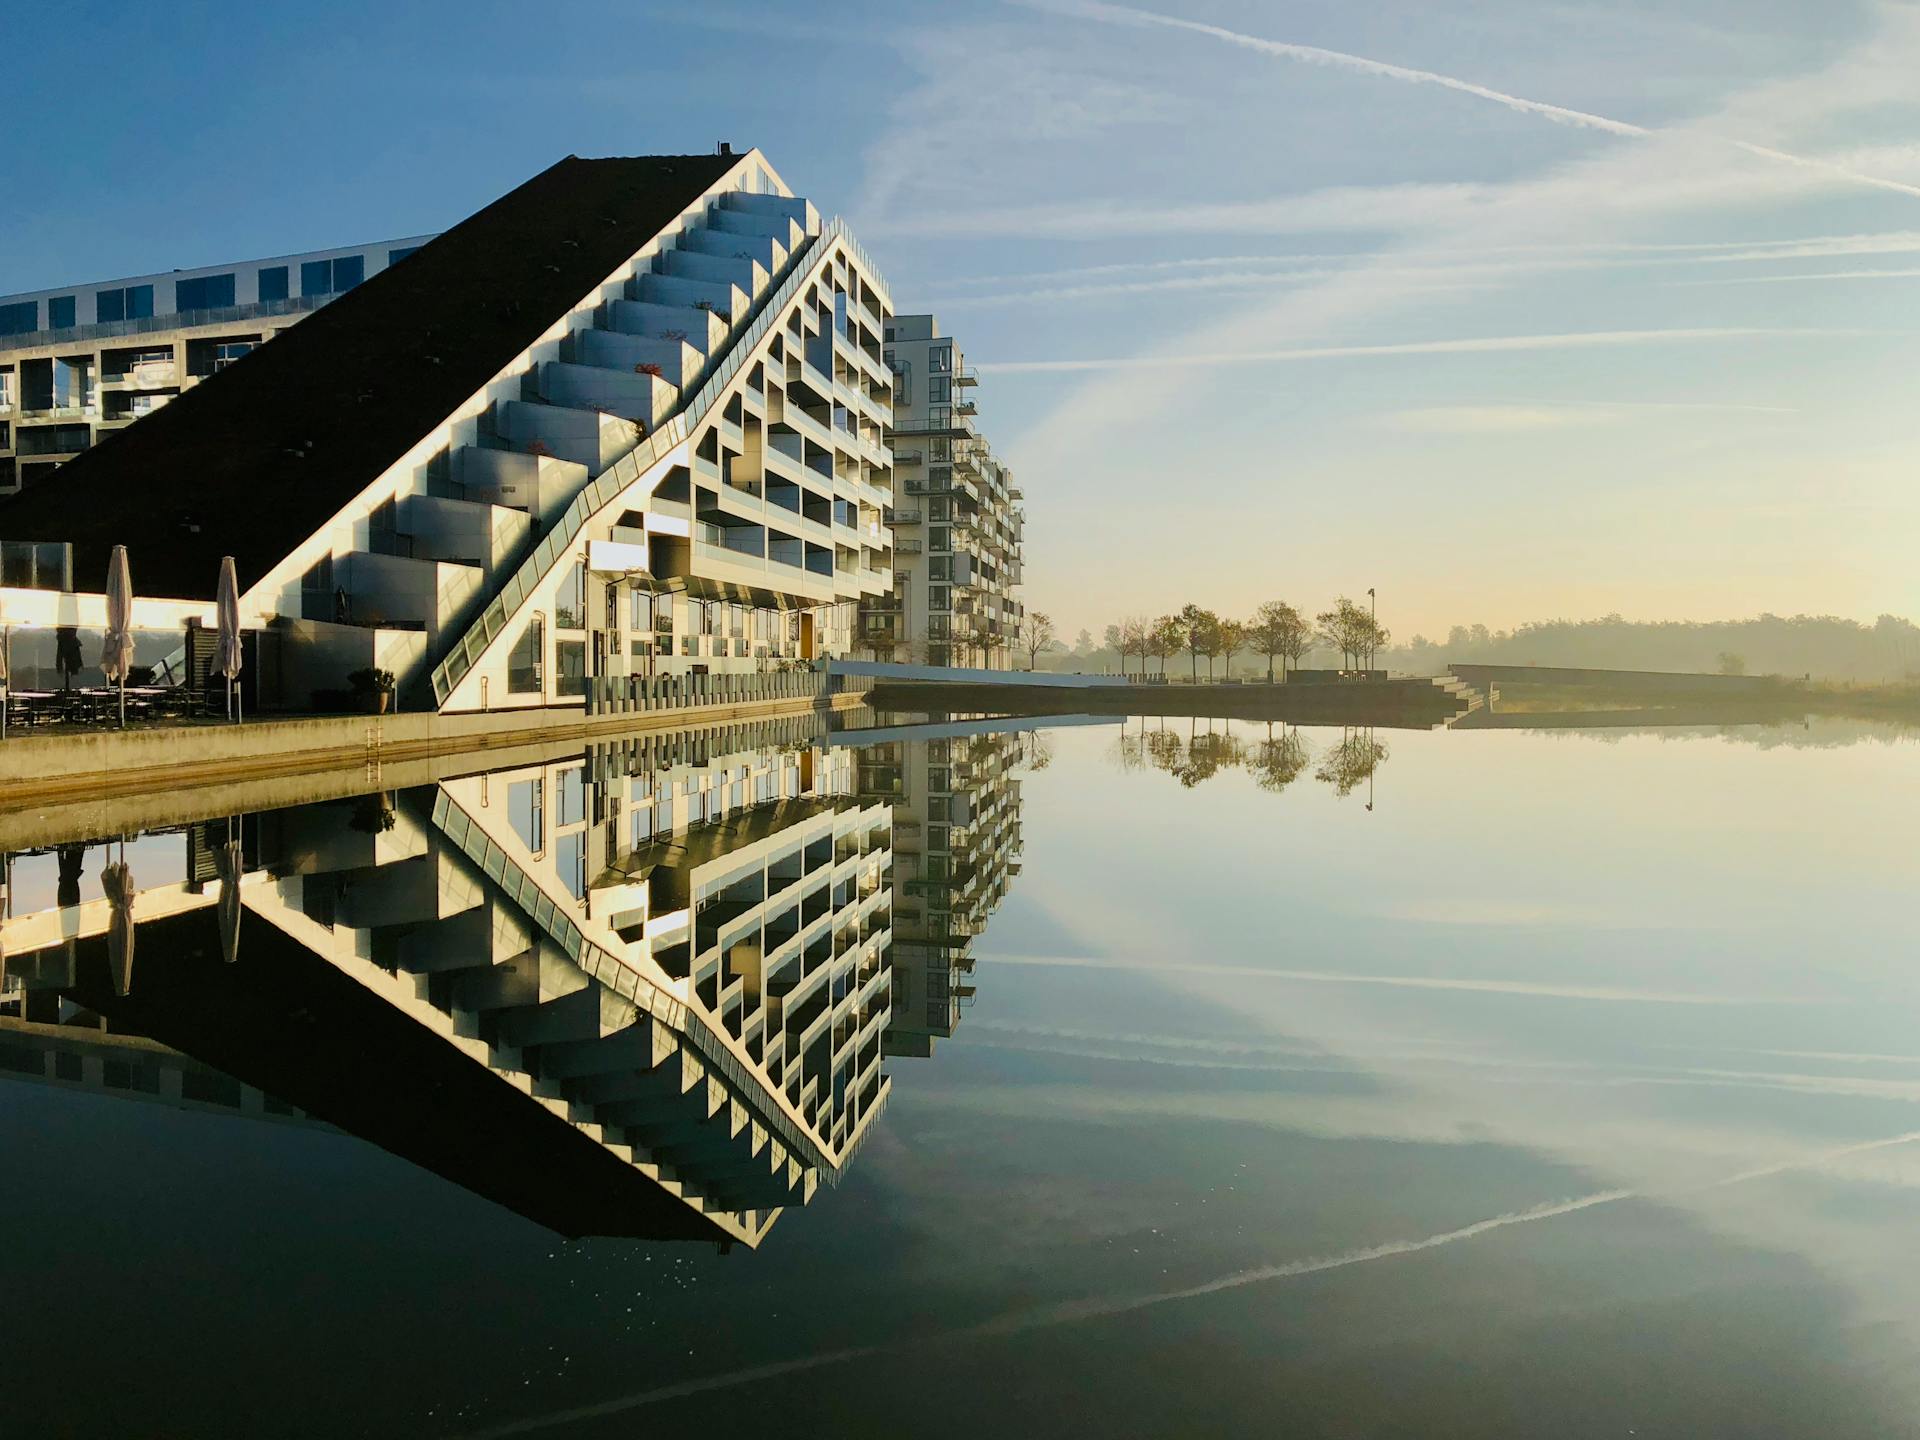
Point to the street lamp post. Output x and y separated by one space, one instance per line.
1373 618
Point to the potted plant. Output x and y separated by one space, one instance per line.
373 689
372 815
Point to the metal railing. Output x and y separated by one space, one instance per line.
174 320
601 491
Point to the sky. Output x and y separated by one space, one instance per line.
1510 309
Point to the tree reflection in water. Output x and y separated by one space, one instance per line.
1274 761
1351 762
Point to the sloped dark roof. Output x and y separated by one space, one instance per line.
263 454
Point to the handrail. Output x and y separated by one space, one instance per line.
600 491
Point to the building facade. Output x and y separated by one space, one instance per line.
628 420
957 518
82 361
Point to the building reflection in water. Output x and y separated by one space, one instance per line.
956 837
643 990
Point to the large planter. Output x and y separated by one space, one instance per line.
375 702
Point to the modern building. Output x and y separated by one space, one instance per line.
957 843
957 521
630 419
639 990
83 361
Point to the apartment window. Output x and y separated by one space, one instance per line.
570 667
641 620
939 538
937 597
940 448
127 302
939 390
526 809
940 359
570 859
394 257
570 808
273 283
205 292
940 568
524 663
225 353
570 602
60 313
21 318
331 277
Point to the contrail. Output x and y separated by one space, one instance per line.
1478 345
1045 1317
1559 114
1072 1311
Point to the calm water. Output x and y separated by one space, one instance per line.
1569 1089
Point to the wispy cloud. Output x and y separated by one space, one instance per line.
1331 209
1521 419
1696 252
1805 277
1559 114
1543 989
1073 1312
1480 345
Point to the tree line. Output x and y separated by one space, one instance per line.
1280 632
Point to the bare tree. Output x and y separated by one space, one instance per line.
1136 638
1298 638
1036 635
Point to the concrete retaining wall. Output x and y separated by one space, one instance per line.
35 768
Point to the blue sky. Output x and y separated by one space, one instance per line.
1628 327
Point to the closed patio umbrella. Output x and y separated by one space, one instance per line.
228 865
116 653
227 658
116 882
67 658
66 888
